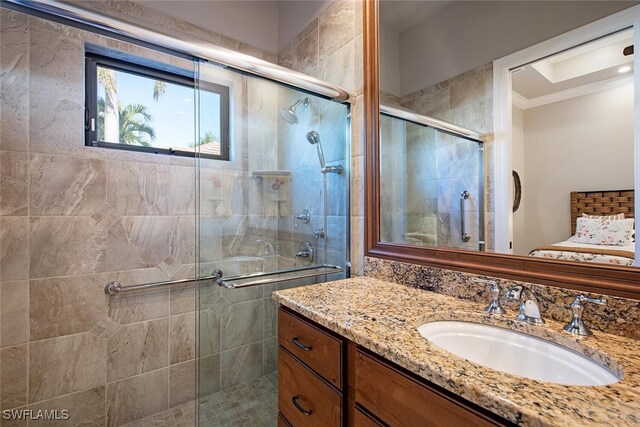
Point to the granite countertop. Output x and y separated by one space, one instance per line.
383 316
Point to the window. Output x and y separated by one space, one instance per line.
142 105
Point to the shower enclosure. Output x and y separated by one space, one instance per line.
432 182
277 210
153 199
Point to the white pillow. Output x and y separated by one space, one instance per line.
603 232
603 217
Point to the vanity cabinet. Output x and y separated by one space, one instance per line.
326 380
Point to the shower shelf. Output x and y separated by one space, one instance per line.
260 174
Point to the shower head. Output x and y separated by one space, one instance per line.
289 114
313 137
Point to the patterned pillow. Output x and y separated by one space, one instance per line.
604 232
603 217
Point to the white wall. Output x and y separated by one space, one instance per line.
467 34
580 144
519 166
253 22
390 67
267 24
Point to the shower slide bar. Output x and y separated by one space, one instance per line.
411 116
135 30
114 288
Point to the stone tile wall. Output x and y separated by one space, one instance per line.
330 48
74 217
466 100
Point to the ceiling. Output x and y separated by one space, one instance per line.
591 65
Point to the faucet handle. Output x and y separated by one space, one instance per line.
494 306
576 326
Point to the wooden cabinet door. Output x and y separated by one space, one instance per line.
304 399
399 400
316 348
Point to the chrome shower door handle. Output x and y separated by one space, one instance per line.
463 233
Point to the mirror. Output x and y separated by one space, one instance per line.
474 106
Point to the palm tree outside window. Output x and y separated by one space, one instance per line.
136 104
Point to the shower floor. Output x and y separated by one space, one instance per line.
254 404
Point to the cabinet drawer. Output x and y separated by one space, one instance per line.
362 419
316 348
399 400
303 398
282 422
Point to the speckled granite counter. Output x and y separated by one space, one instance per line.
383 316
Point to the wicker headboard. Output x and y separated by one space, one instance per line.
600 203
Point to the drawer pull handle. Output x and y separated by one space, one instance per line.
297 342
294 400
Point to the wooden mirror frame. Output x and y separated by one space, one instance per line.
611 280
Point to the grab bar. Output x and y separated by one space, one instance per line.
463 234
114 288
262 278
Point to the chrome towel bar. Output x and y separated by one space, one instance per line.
114 288
263 278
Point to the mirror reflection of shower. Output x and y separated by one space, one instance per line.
289 114
314 139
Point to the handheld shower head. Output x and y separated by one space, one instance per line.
314 139
289 114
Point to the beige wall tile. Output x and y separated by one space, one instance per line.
208 375
305 54
63 185
209 332
182 339
241 365
182 186
86 409
137 397
135 188
63 365
14 251
336 27
14 312
270 355
138 306
14 81
14 182
80 246
137 348
182 383
66 305
57 95
242 324
339 68
14 376
146 241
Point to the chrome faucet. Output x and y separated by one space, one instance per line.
494 306
529 310
303 217
576 326
305 252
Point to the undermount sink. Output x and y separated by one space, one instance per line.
516 353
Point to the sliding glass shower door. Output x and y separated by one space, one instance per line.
432 186
272 199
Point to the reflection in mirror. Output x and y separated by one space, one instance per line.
572 145
572 129
431 186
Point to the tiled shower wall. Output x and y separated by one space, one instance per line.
466 100
331 49
75 217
